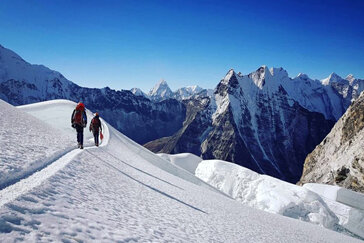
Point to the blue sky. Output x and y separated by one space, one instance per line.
125 44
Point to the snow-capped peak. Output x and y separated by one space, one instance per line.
162 84
228 76
160 91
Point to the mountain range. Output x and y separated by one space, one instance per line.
161 91
265 120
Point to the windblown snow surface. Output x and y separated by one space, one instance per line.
332 207
117 192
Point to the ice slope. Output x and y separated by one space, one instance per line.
122 192
276 196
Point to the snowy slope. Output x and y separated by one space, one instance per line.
45 143
122 192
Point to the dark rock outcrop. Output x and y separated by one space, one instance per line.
339 158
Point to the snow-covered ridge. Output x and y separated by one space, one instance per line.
121 191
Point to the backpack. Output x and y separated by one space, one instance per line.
95 124
78 117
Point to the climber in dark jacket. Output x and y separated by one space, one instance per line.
95 127
79 121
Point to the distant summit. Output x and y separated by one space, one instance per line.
161 91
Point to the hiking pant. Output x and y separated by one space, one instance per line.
96 137
79 130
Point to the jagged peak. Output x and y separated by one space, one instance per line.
231 73
160 84
161 90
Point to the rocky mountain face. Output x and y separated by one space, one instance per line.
190 136
136 116
339 158
264 121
